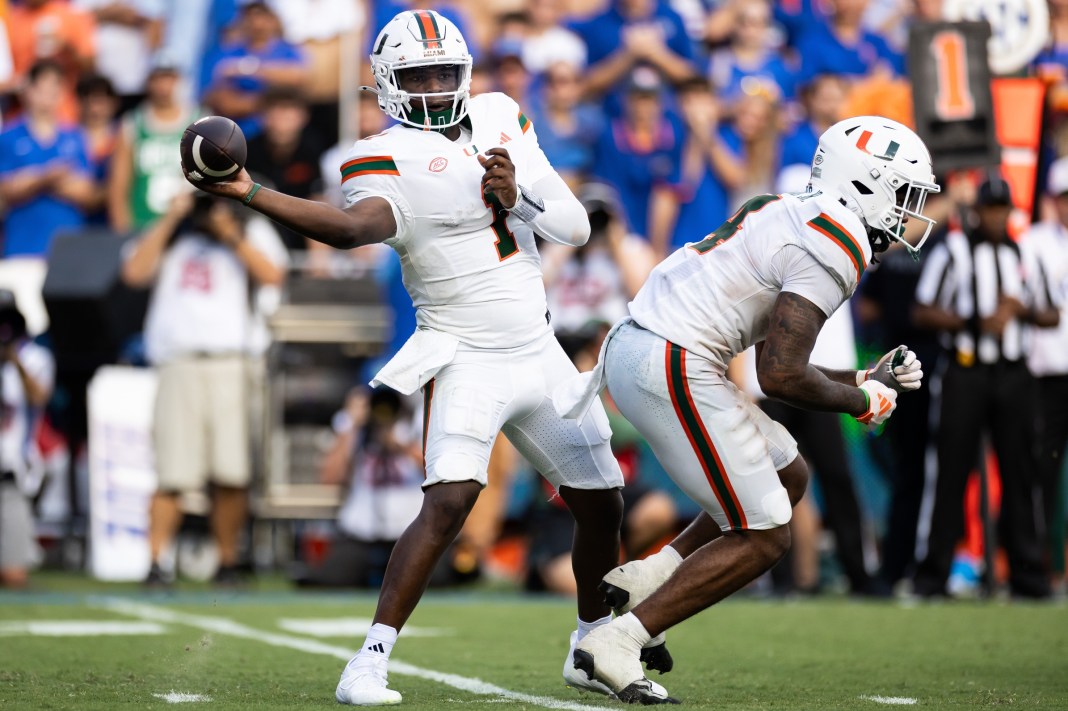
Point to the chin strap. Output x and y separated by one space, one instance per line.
879 240
431 120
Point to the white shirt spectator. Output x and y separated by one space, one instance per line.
18 451
123 51
316 20
7 66
201 301
554 45
385 492
585 290
1045 247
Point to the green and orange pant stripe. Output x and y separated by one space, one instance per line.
697 434
428 398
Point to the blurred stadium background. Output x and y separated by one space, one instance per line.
663 115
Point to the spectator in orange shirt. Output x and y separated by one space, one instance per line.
52 29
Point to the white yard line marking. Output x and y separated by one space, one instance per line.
347 627
891 700
222 625
175 697
78 628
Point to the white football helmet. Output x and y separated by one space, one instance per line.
883 171
416 38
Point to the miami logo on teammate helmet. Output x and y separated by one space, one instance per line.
883 170
420 38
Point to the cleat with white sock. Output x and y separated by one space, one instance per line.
363 682
625 586
611 656
577 679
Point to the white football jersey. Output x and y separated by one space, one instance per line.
715 297
472 270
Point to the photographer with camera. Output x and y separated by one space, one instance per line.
377 459
594 282
204 263
27 372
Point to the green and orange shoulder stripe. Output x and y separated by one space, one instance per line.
843 239
368 165
525 124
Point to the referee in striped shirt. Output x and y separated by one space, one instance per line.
976 292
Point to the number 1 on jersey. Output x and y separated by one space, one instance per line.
505 244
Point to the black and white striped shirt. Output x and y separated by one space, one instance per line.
969 278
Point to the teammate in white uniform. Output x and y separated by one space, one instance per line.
769 276
459 190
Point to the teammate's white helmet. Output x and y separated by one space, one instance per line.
883 170
416 38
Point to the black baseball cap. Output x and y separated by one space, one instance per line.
994 190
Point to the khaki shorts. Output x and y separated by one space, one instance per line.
719 447
201 427
17 528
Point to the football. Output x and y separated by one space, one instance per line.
213 149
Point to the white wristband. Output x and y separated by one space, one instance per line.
528 207
862 375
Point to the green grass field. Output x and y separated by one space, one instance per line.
241 651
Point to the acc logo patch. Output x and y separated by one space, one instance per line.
438 164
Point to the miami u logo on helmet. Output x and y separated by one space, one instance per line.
862 144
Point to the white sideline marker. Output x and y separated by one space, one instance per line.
175 697
891 700
78 628
346 627
222 625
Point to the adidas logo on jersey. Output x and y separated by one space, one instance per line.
505 137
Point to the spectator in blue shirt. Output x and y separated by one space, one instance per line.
629 34
193 29
751 56
97 105
510 76
243 71
639 155
44 170
842 46
712 166
822 99
567 128
798 17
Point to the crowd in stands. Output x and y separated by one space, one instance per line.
662 115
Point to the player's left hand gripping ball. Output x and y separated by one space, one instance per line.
899 369
882 401
499 179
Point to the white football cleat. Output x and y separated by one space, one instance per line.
363 682
627 585
611 656
577 679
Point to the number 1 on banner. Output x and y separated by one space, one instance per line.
953 95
